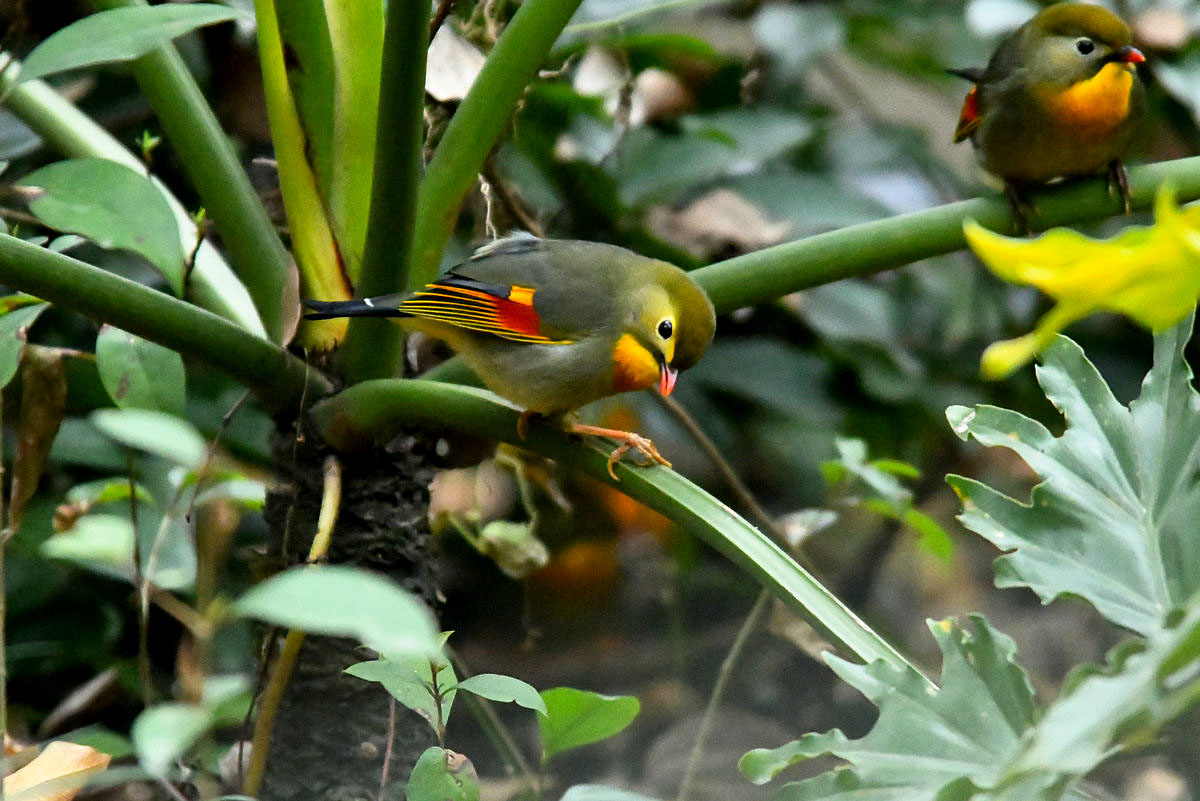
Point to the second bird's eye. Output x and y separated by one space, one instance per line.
665 329
1085 45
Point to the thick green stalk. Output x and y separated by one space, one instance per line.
477 125
74 134
374 410
278 378
883 244
372 348
257 254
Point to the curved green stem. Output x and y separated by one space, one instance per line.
258 256
477 125
883 244
374 410
372 347
74 134
278 378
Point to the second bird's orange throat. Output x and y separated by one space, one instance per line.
1098 104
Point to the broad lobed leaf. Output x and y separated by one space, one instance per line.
1113 519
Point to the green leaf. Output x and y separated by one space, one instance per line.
139 374
577 717
121 34
106 490
925 743
409 679
101 543
1146 685
13 328
348 602
111 204
1113 519
164 732
153 432
442 775
504 689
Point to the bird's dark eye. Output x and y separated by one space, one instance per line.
1085 45
665 329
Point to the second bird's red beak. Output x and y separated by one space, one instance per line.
666 378
1130 55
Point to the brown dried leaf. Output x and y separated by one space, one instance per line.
716 223
43 405
56 774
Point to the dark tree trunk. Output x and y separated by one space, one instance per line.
330 735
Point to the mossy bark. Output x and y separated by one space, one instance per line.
330 735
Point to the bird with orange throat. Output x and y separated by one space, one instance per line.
1059 98
552 325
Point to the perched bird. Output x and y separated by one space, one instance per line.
552 325
1060 97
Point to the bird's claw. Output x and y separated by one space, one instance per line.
629 441
1119 179
642 445
1020 208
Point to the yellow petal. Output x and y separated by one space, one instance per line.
1151 274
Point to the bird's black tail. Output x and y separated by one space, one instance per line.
385 306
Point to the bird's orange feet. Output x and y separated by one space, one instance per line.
628 441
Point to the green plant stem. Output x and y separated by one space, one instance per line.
883 244
278 378
211 284
477 125
369 411
372 348
758 613
258 256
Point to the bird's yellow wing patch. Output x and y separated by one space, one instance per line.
506 312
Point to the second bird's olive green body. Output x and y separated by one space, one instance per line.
1060 97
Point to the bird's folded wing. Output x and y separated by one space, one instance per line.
505 311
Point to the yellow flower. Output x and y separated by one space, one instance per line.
1151 274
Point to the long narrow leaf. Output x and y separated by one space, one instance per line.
372 409
313 244
121 34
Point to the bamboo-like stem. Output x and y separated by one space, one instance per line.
259 258
372 348
371 410
278 378
883 244
478 124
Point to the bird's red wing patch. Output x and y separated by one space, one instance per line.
506 312
969 118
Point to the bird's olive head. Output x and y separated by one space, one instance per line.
673 319
1070 42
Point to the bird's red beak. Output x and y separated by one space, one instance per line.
666 378
1130 55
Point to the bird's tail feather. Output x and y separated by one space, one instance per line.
365 307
